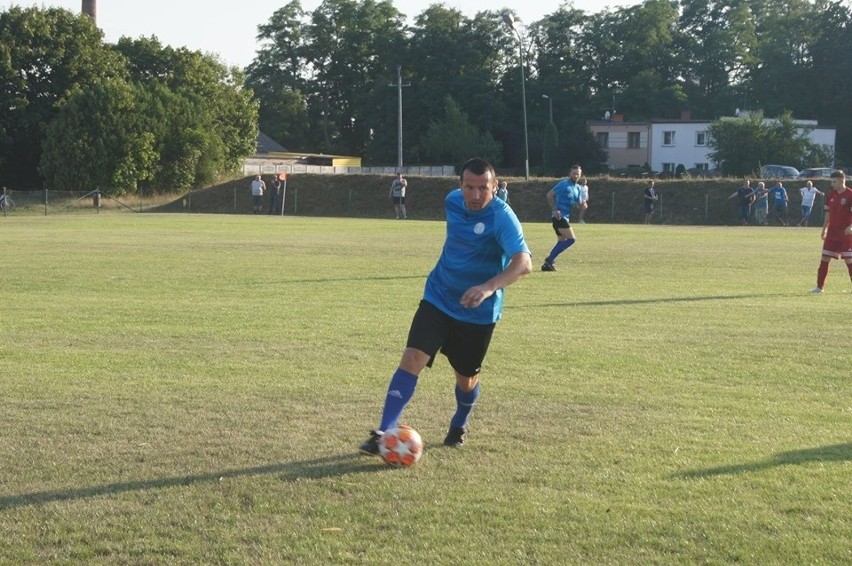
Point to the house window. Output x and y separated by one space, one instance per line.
668 168
602 138
632 140
701 138
702 167
669 138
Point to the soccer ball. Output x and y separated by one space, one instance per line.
401 446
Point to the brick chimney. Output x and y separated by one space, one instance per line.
618 117
90 8
685 115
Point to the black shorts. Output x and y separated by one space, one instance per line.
465 344
399 200
561 223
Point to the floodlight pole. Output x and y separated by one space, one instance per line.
510 21
399 84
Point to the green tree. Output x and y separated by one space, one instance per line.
44 54
454 139
452 55
718 42
97 140
278 80
210 101
741 145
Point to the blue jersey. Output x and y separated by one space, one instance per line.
779 194
567 193
479 245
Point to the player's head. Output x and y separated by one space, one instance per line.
838 179
478 183
576 172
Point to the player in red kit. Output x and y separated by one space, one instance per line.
837 228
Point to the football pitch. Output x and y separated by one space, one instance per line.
192 389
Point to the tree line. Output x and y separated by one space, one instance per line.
324 78
76 112
79 114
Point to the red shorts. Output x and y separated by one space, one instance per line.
838 247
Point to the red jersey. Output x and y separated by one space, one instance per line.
839 209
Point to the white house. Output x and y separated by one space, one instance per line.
665 144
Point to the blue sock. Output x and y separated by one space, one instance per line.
400 392
464 405
560 247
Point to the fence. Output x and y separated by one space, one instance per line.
366 196
267 167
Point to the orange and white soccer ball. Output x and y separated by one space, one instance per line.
401 446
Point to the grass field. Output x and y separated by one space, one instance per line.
191 389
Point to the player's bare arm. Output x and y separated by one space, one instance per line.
519 265
551 200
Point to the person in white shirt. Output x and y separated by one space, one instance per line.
257 189
583 205
809 193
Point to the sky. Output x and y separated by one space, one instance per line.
229 29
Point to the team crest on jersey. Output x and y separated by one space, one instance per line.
479 228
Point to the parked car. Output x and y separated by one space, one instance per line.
778 172
816 173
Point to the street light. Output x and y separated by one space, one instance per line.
550 103
509 21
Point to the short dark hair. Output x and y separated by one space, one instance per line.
477 166
838 174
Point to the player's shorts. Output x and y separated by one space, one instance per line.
649 207
837 247
561 223
257 199
806 211
399 200
745 210
464 344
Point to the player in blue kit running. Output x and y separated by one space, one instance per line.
562 198
484 253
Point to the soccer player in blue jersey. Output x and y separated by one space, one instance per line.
484 253
562 198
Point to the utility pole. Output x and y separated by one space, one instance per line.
399 84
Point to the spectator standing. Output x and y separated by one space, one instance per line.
745 198
779 197
503 192
274 194
761 204
809 193
258 187
397 193
584 200
836 229
649 199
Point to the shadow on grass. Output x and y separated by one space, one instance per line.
653 301
349 279
832 453
329 466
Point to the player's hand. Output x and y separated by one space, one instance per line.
848 230
557 215
474 296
